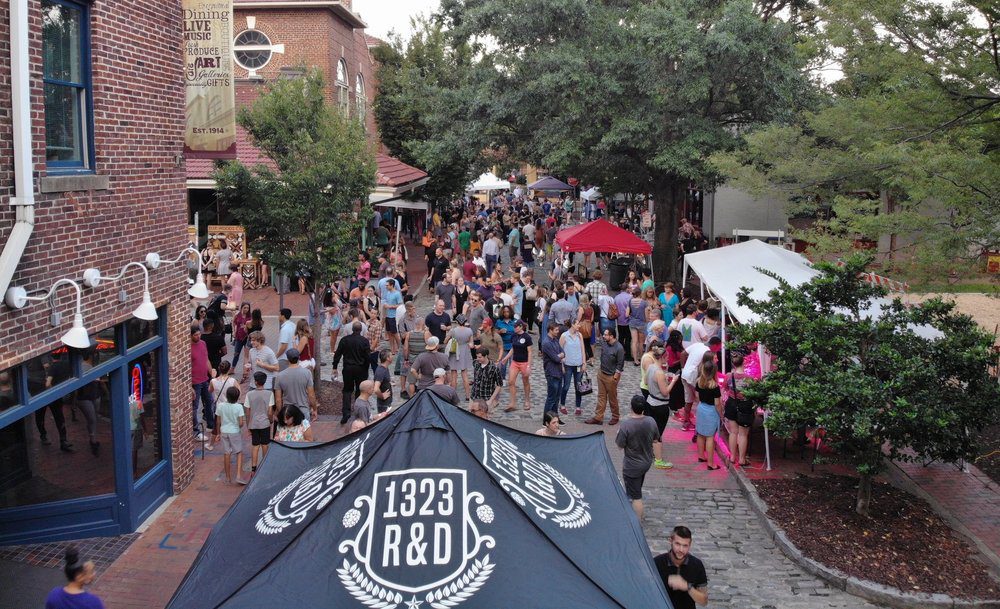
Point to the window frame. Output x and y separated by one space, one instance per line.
360 98
236 49
86 86
343 87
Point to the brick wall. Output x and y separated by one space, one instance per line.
312 37
138 134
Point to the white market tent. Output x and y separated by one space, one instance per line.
726 270
591 194
489 181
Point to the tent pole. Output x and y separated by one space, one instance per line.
684 275
767 437
723 338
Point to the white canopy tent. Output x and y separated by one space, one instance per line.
489 181
591 194
726 270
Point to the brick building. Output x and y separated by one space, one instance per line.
91 177
276 38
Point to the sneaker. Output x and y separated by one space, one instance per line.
613 421
593 421
209 447
66 447
564 411
200 438
242 482
46 441
579 412
661 464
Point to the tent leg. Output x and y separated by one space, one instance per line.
684 275
399 229
767 444
723 316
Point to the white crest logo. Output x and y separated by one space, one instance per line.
530 481
417 537
312 490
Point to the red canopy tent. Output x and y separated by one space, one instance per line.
601 236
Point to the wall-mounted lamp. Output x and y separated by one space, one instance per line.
199 291
77 336
146 310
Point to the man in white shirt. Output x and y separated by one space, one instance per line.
692 331
491 251
286 334
689 374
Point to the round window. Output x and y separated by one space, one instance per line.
253 49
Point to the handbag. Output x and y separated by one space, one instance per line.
586 328
612 311
583 385
746 412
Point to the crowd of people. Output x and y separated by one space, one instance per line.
503 295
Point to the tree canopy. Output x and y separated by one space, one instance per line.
304 217
873 384
905 146
633 95
410 76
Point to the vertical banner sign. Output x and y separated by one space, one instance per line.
208 79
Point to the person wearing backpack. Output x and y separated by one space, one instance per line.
739 411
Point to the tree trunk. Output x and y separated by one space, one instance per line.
864 498
668 197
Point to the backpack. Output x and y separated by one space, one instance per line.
612 310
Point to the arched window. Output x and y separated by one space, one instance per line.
360 98
342 87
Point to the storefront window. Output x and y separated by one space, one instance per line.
144 413
138 331
49 370
105 345
62 451
8 389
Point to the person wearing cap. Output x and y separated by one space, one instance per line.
427 362
519 357
442 388
294 385
460 353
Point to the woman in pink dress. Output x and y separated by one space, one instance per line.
235 282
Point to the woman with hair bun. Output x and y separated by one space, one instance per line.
79 573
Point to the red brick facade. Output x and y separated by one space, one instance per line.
138 111
312 37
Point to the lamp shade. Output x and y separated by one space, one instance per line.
199 290
77 336
146 310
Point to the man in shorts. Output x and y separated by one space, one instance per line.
259 406
391 299
636 436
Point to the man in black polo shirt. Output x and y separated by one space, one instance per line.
683 573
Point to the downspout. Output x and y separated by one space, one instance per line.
24 189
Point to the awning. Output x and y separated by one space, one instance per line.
429 507
591 194
724 271
402 204
550 184
601 236
489 181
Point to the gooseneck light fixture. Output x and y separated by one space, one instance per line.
199 291
77 336
146 310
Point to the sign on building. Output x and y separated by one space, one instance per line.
208 79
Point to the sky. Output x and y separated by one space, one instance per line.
382 16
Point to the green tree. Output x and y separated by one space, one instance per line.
906 148
633 95
878 388
409 77
305 215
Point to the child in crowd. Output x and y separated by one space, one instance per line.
259 407
228 424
